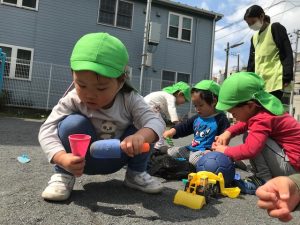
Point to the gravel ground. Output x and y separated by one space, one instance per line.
99 199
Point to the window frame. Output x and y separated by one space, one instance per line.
19 5
116 15
176 76
13 61
180 27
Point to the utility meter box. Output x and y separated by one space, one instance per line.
154 33
148 59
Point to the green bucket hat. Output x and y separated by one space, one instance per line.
180 86
208 85
244 86
101 53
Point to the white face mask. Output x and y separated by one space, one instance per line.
256 26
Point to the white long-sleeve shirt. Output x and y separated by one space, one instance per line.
128 108
164 102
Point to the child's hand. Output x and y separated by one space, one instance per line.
169 133
133 144
218 147
279 196
224 138
71 163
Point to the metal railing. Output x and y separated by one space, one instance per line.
43 84
46 84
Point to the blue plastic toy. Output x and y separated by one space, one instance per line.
110 148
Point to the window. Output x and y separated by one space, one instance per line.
28 4
18 62
116 13
180 27
171 77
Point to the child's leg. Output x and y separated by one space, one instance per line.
61 183
74 124
138 162
77 123
136 175
272 162
161 141
179 152
194 157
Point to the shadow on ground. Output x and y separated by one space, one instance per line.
99 197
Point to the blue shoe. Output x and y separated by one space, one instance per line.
249 184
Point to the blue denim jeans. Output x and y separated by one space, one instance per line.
77 123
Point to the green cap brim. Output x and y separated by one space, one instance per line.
95 67
223 107
269 102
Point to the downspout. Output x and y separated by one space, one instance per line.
194 51
145 42
194 60
212 47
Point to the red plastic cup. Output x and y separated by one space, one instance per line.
79 144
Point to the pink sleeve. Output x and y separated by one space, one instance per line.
258 134
238 128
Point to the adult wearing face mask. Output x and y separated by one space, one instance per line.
271 55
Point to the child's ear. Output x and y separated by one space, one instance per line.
122 78
215 101
252 104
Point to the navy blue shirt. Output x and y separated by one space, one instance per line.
204 130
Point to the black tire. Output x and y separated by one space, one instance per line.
186 186
201 191
215 190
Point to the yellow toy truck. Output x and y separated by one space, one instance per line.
201 185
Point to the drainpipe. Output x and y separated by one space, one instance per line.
145 42
212 47
194 61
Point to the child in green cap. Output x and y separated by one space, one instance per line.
103 105
165 102
205 125
273 139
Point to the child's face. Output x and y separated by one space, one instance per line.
95 91
245 112
180 99
202 107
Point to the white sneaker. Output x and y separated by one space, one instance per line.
59 187
142 181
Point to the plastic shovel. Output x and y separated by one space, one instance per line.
79 144
109 149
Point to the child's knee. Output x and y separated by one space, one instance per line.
76 123
172 151
73 122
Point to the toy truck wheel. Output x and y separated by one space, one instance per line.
200 190
186 186
215 190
